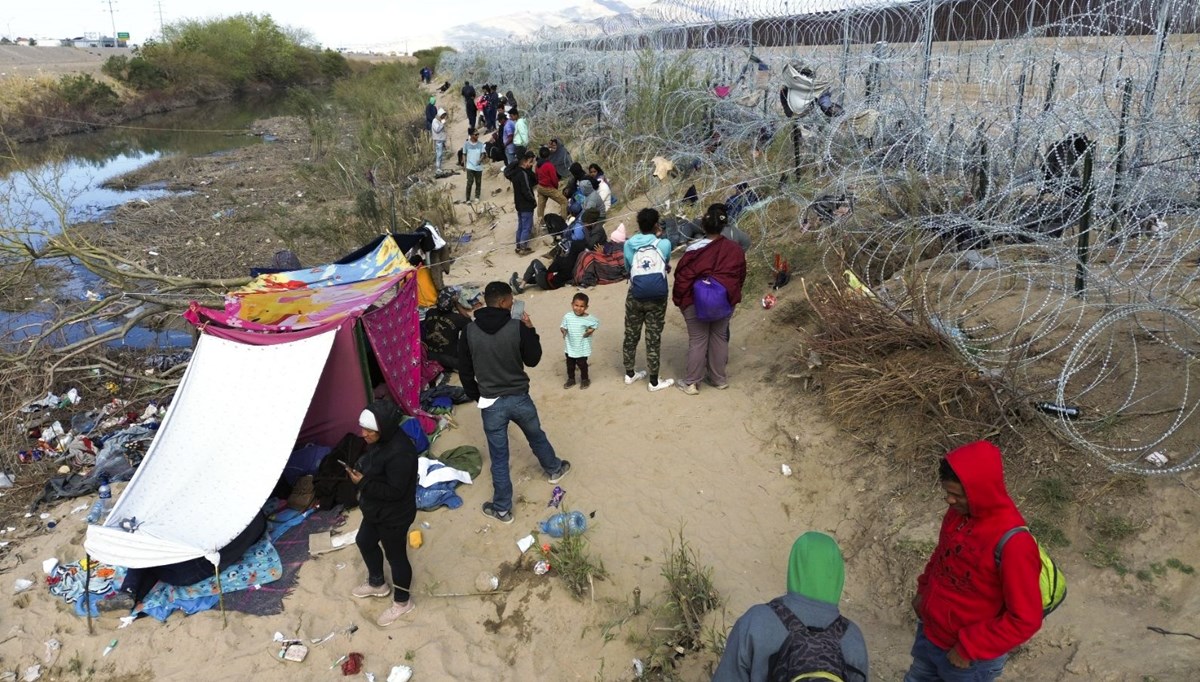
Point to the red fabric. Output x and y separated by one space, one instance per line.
395 334
723 260
547 176
965 601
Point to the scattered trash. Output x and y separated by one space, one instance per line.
400 673
6 480
769 301
556 497
294 652
49 565
639 668
542 567
1063 411
415 538
525 543
559 524
53 648
487 582
92 296
21 584
32 673
126 621
1157 458
108 649
353 664
425 525
785 470
348 630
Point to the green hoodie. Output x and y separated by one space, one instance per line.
816 569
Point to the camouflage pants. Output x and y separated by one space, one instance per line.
653 314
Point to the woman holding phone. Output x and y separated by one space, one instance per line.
386 478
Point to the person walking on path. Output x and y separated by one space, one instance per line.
756 649
708 285
577 329
520 174
491 104
547 186
472 152
647 256
431 110
439 139
973 609
468 95
385 476
493 353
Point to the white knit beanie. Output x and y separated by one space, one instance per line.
367 421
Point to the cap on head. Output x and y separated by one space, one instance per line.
367 420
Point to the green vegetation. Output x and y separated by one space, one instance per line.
1048 535
573 563
1115 528
429 57
1052 493
215 57
1186 569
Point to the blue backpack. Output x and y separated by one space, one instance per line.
648 273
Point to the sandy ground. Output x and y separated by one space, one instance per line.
650 466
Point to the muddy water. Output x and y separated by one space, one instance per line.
43 183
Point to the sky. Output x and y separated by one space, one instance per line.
357 24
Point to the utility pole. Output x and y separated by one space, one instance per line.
112 17
162 32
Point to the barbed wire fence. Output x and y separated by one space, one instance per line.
1024 176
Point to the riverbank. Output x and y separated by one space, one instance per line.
648 466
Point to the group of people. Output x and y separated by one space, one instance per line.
977 600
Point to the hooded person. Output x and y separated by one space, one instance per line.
438 133
592 214
385 476
571 189
756 644
431 110
971 613
561 158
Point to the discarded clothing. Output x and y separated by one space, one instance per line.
464 458
65 487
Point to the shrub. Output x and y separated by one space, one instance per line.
84 93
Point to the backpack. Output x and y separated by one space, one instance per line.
1052 582
807 653
711 300
648 273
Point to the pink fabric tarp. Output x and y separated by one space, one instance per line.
395 334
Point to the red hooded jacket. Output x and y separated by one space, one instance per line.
723 259
965 600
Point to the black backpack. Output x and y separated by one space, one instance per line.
807 652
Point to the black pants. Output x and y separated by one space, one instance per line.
394 540
572 363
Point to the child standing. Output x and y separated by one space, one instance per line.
577 329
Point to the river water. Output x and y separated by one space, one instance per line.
65 176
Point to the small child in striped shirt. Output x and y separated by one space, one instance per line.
577 329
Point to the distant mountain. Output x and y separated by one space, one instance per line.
525 26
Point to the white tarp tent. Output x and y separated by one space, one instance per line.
218 453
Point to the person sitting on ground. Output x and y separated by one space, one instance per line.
571 189
596 173
556 275
592 214
742 198
560 157
757 647
386 477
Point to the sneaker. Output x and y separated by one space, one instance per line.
569 384
719 387
662 383
562 473
394 613
368 590
689 389
637 376
584 383
515 283
489 509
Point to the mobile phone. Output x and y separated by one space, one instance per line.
343 463
518 309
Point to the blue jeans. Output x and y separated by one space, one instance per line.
519 409
931 663
524 229
439 150
510 153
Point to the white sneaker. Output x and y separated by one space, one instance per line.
637 376
393 614
662 383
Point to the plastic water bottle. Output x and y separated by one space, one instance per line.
103 504
558 525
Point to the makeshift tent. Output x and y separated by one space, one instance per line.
288 359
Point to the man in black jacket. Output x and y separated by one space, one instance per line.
494 351
521 175
468 93
386 478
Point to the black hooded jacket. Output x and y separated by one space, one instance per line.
523 181
494 351
387 493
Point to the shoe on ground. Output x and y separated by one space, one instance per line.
719 387
637 376
394 613
662 383
689 389
515 283
489 509
584 383
569 384
366 590
561 474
